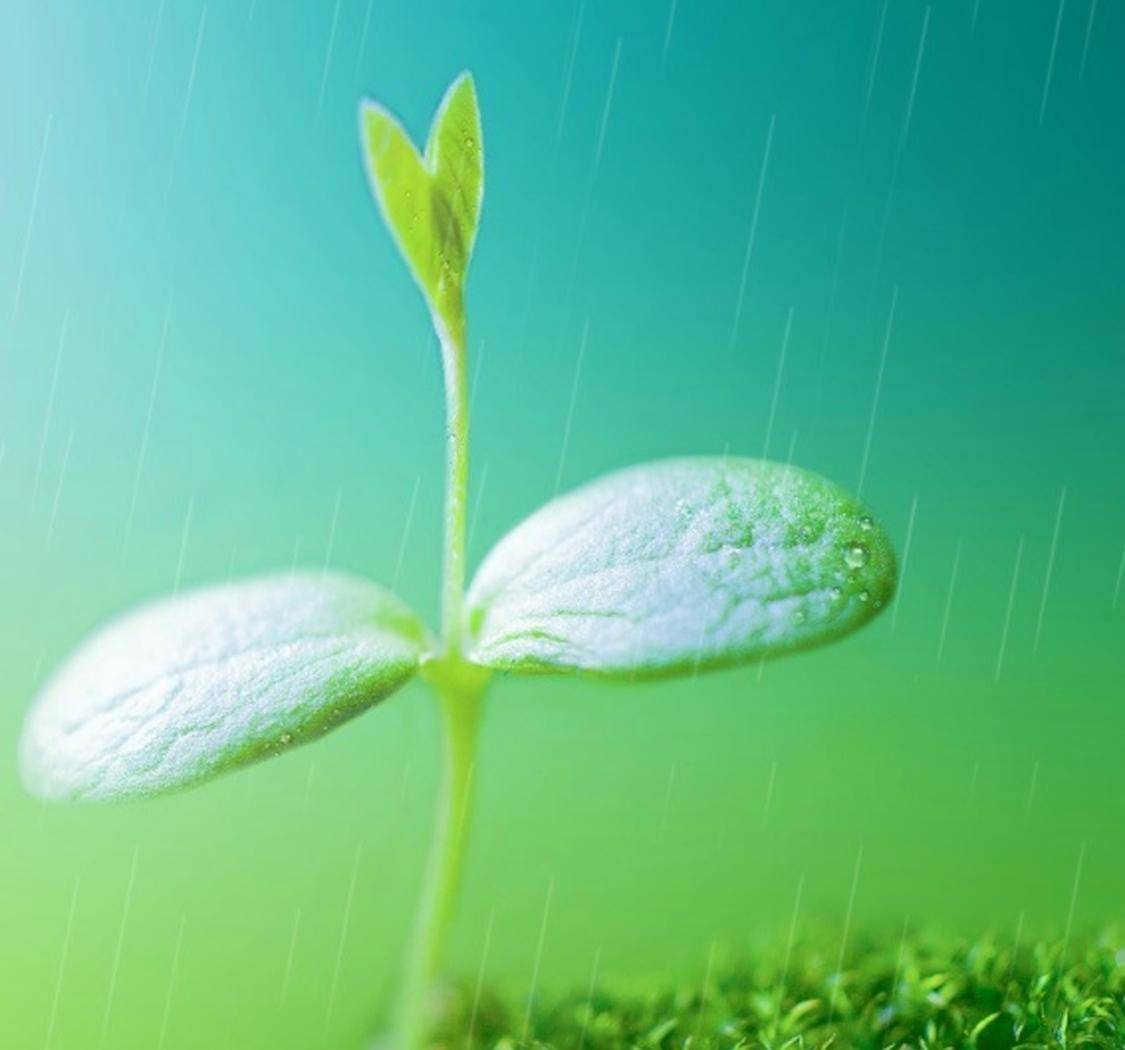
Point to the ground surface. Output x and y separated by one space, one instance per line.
924 994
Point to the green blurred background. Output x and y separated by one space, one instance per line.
169 164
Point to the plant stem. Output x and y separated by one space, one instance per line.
460 688
456 484
460 691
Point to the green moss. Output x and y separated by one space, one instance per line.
923 993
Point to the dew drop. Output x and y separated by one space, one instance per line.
855 556
731 556
866 523
286 738
863 596
834 593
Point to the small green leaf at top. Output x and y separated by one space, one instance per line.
186 688
431 201
679 566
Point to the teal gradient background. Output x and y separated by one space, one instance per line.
169 164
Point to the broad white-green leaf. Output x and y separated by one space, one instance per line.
186 688
431 202
677 566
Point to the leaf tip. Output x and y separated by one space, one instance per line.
30 767
463 82
37 772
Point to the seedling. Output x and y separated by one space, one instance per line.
669 568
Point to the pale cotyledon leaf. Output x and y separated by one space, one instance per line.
186 688
677 566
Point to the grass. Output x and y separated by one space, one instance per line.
923 993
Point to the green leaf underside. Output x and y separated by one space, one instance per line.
681 565
183 689
431 202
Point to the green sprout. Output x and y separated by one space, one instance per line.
669 568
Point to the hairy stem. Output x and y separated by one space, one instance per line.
460 691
